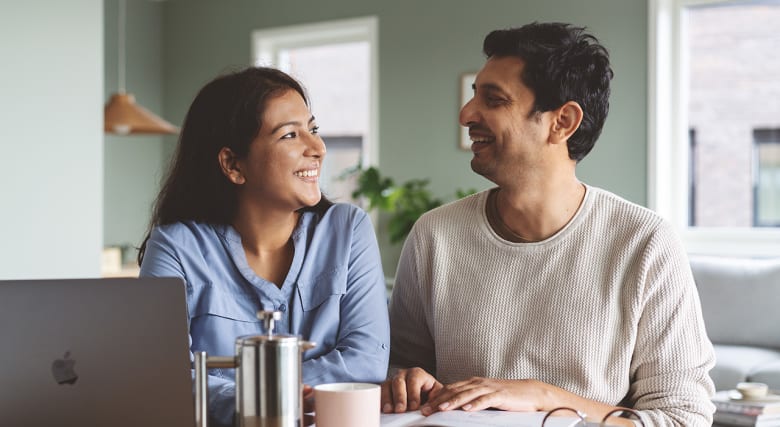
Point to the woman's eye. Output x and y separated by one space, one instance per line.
315 129
290 135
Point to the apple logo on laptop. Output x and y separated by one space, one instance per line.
63 371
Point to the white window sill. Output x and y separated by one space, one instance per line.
752 242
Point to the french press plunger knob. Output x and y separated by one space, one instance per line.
269 317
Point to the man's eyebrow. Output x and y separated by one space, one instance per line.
489 87
290 123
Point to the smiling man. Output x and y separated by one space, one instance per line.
544 291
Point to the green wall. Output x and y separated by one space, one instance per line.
424 46
62 207
133 164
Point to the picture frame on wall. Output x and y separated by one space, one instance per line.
466 92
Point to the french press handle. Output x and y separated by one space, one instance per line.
202 362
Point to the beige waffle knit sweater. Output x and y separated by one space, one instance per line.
606 308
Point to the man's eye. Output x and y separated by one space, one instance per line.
315 129
290 135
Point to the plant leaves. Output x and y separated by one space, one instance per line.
404 203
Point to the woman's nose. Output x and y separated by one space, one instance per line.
315 146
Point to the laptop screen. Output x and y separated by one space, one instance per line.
91 352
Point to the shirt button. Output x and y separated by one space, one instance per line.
282 308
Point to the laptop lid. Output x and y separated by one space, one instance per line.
95 352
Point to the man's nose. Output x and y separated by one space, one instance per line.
468 114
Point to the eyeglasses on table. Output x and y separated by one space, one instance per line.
624 413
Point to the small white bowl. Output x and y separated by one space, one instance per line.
752 390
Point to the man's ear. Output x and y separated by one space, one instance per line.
566 121
230 167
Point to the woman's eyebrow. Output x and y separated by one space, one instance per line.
290 123
281 125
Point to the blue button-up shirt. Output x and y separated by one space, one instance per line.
333 295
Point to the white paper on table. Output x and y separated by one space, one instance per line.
486 418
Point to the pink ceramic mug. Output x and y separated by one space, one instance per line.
347 405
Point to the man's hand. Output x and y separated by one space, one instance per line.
477 393
481 393
407 390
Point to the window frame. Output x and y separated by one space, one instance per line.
668 140
762 137
267 43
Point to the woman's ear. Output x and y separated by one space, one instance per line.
566 121
230 167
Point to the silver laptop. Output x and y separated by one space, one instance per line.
94 352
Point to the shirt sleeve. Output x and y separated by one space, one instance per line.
162 259
411 342
362 350
670 383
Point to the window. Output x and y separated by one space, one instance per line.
336 62
766 182
714 102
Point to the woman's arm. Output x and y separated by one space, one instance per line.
361 351
163 259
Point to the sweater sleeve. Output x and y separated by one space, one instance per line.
411 342
670 381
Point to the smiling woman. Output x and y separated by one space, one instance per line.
242 220
345 91
286 146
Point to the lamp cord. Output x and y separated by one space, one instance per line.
121 46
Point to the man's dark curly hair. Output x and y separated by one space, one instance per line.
562 63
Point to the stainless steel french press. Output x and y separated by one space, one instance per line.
268 378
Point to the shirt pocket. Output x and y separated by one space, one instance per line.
224 310
325 287
217 318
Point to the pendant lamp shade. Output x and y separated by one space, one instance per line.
121 114
124 117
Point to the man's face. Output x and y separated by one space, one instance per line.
508 141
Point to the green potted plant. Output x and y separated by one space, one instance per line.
403 203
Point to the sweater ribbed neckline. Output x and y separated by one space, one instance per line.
486 224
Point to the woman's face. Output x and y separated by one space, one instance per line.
282 168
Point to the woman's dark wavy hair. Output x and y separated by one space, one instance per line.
227 112
562 63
